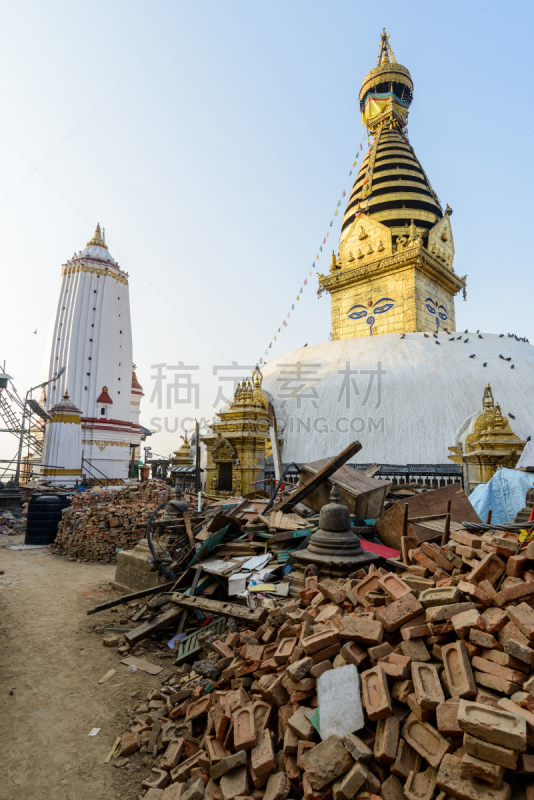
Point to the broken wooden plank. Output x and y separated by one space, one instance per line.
108 675
192 592
116 743
151 626
143 664
165 587
139 613
432 503
250 615
333 465
188 530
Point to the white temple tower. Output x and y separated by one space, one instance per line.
92 337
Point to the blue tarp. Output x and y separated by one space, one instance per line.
504 494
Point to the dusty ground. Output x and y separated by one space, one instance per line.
51 659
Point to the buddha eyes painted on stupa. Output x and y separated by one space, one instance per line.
380 307
439 311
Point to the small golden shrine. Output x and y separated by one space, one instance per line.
394 269
236 448
182 457
491 445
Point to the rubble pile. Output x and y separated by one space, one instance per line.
97 524
10 525
385 684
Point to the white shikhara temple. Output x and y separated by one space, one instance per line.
91 336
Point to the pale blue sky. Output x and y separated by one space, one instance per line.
213 139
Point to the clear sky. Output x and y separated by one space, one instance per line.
213 141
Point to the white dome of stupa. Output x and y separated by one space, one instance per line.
407 400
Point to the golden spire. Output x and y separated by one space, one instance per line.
97 239
258 378
487 400
385 50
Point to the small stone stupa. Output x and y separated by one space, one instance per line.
334 551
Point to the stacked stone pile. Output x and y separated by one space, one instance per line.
97 524
418 685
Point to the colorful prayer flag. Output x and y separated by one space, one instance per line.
266 352
293 307
313 265
335 213
301 290
361 146
343 193
261 360
284 323
353 166
331 223
310 273
305 281
275 338
339 203
278 330
271 344
321 249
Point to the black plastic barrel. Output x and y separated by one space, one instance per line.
44 516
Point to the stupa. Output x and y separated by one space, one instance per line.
397 375
333 551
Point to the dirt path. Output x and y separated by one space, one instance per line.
50 663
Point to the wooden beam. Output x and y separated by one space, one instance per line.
188 530
164 587
155 624
250 615
316 480
192 592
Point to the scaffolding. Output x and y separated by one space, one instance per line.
11 415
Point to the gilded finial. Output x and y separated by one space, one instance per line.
97 239
385 50
333 262
258 378
66 395
487 400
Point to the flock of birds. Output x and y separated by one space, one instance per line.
474 355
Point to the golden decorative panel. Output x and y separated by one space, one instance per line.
103 443
108 273
440 241
365 241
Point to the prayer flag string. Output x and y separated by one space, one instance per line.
263 359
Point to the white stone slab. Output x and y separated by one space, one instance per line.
340 705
